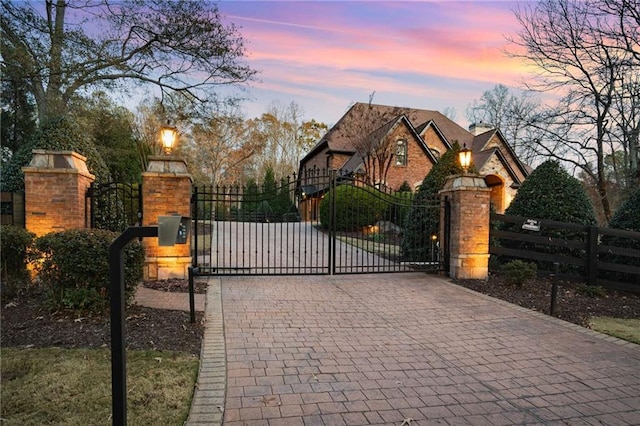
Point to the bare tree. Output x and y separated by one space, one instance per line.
576 61
67 47
511 114
365 127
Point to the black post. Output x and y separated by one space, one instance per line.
116 289
192 297
592 256
554 287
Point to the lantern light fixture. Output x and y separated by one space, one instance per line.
465 158
168 136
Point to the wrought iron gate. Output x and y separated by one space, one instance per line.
113 205
317 223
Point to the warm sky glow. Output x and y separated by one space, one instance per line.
325 55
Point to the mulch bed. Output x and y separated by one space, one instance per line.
573 303
176 285
27 322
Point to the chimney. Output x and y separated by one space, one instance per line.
479 128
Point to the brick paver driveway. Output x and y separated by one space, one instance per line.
412 349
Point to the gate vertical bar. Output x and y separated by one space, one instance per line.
194 206
332 222
447 233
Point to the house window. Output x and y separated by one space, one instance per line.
401 153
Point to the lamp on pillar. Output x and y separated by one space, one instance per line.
465 158
168 136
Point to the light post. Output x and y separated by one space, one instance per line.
465 158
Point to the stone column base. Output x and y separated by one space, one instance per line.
469 266
162 268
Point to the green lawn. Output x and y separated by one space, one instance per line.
73 386
626 329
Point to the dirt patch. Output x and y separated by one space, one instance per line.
576 303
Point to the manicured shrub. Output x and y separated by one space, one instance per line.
423 218
518 272
627 218
356 207
15 252
74 267
551 193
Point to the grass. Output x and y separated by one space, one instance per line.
626 329
73 386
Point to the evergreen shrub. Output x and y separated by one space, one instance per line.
74 267
356 207
15 252
627 218
551 193
423 219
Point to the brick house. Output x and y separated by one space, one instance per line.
389 145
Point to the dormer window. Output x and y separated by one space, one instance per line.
401 153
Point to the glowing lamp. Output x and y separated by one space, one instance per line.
168 136
465 158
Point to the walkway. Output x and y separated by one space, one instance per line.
405 349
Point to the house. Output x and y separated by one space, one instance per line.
387 145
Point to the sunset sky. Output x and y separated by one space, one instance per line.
325 55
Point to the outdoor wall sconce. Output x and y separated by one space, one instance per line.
465 158
168 136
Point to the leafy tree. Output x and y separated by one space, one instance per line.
423 219
18 113
284 137
67 47
111 128
62 134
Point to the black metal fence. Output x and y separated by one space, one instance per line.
113 205
318 223
598 256
12 209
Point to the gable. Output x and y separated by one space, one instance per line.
494 140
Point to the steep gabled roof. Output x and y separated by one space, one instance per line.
481 158
479 146
340 137
380 133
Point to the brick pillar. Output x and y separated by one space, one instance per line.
166 191
55 184
469 199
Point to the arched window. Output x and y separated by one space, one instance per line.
401 153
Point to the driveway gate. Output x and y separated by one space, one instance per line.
317 223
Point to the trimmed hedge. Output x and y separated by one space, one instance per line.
551 193
15 251
74 267
627 218
356 207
